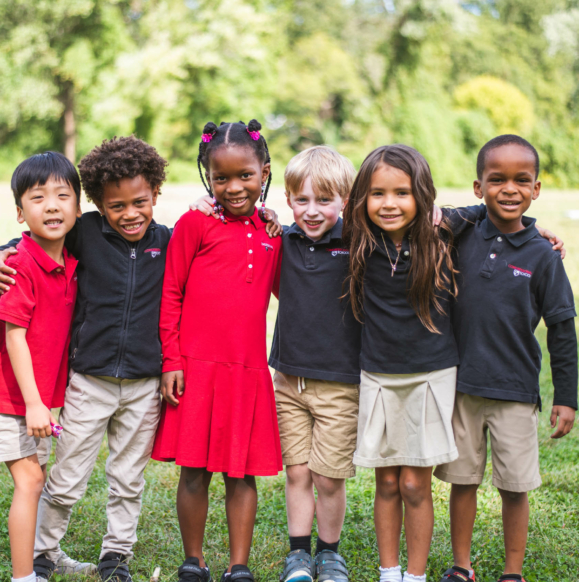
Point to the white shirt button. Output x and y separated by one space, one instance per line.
499 238
248 235
250 251
493 256
59 270
406 253
246 222
250 266
311 248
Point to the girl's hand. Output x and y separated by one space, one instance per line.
557 243
5 271
436 216
38 419
566 416
171 382
204 205
273 226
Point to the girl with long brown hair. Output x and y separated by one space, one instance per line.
401 284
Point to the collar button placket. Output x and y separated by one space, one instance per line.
249 256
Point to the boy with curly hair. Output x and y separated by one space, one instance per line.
115 354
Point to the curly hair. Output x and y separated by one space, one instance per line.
118 158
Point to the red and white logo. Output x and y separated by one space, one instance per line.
154 252
336 252
518 272
267 246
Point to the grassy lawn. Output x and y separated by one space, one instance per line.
553 549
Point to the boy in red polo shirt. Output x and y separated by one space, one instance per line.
35 319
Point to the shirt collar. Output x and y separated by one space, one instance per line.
335 233
517 239
254 219
44 261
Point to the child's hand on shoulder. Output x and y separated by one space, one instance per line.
172 382
38 419
273 226
204 205
557 243
566 416
5 279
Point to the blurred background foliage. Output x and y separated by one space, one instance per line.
441 75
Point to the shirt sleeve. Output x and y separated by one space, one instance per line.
17 306
181 251
277 277
461 219
553 292
562 346
12 243
73 239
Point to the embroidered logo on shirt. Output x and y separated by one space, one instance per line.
154 252
267 246
336 252
517 272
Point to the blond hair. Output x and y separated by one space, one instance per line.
330 172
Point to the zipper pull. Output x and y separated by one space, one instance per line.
74 353
133 253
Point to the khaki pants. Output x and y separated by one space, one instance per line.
128 411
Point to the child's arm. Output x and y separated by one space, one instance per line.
562 346
38 416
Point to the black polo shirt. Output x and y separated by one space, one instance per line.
316 335
507 283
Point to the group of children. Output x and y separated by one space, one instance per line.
403 339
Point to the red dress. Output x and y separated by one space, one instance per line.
218 282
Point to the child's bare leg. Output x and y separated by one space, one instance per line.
331 507
241 507
516 527
28 483
415 488
462 518
388 515
300 500
192 505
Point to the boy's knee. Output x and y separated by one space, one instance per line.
413 490
387 484
513 496
328 486
31 485
298 475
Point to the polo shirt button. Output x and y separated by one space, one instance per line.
301 236
246 222
250 251
248 235
250 266
493 256
311 248
499 238
406 253
59 270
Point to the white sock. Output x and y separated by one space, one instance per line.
29 578
391 574
411 578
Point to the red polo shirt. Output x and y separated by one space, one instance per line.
43 302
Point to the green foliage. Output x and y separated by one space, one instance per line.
441 75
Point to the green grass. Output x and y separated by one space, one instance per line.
553 549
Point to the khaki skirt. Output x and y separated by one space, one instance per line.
406 419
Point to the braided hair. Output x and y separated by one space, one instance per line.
232 134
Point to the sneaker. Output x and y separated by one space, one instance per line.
239 573
43 567
65 566
191 571
331 567
299 567
456 574
113 567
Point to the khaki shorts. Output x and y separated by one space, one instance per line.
16 444
317 424
406 419
514 443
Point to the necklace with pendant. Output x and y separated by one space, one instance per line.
393 265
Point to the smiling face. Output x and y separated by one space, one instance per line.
315 213
235 177
128 206
508 185
390 203
50 211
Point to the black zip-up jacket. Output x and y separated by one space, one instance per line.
115 331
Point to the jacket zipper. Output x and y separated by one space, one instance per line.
127 311
77 339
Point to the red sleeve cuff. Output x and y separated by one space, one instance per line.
14 319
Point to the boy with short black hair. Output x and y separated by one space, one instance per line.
35 323
509 279
315 353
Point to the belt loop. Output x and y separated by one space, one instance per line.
301 384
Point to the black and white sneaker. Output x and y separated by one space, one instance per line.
43 567
299 566
114 567
191 571
239 573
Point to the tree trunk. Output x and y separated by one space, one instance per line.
69 123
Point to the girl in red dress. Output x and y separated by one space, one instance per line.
219 413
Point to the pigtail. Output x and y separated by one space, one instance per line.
209 132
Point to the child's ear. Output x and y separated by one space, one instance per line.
536 190
288 199
265 172
155 195
344 202
477 186
208 181
78 210
20 215
101 209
